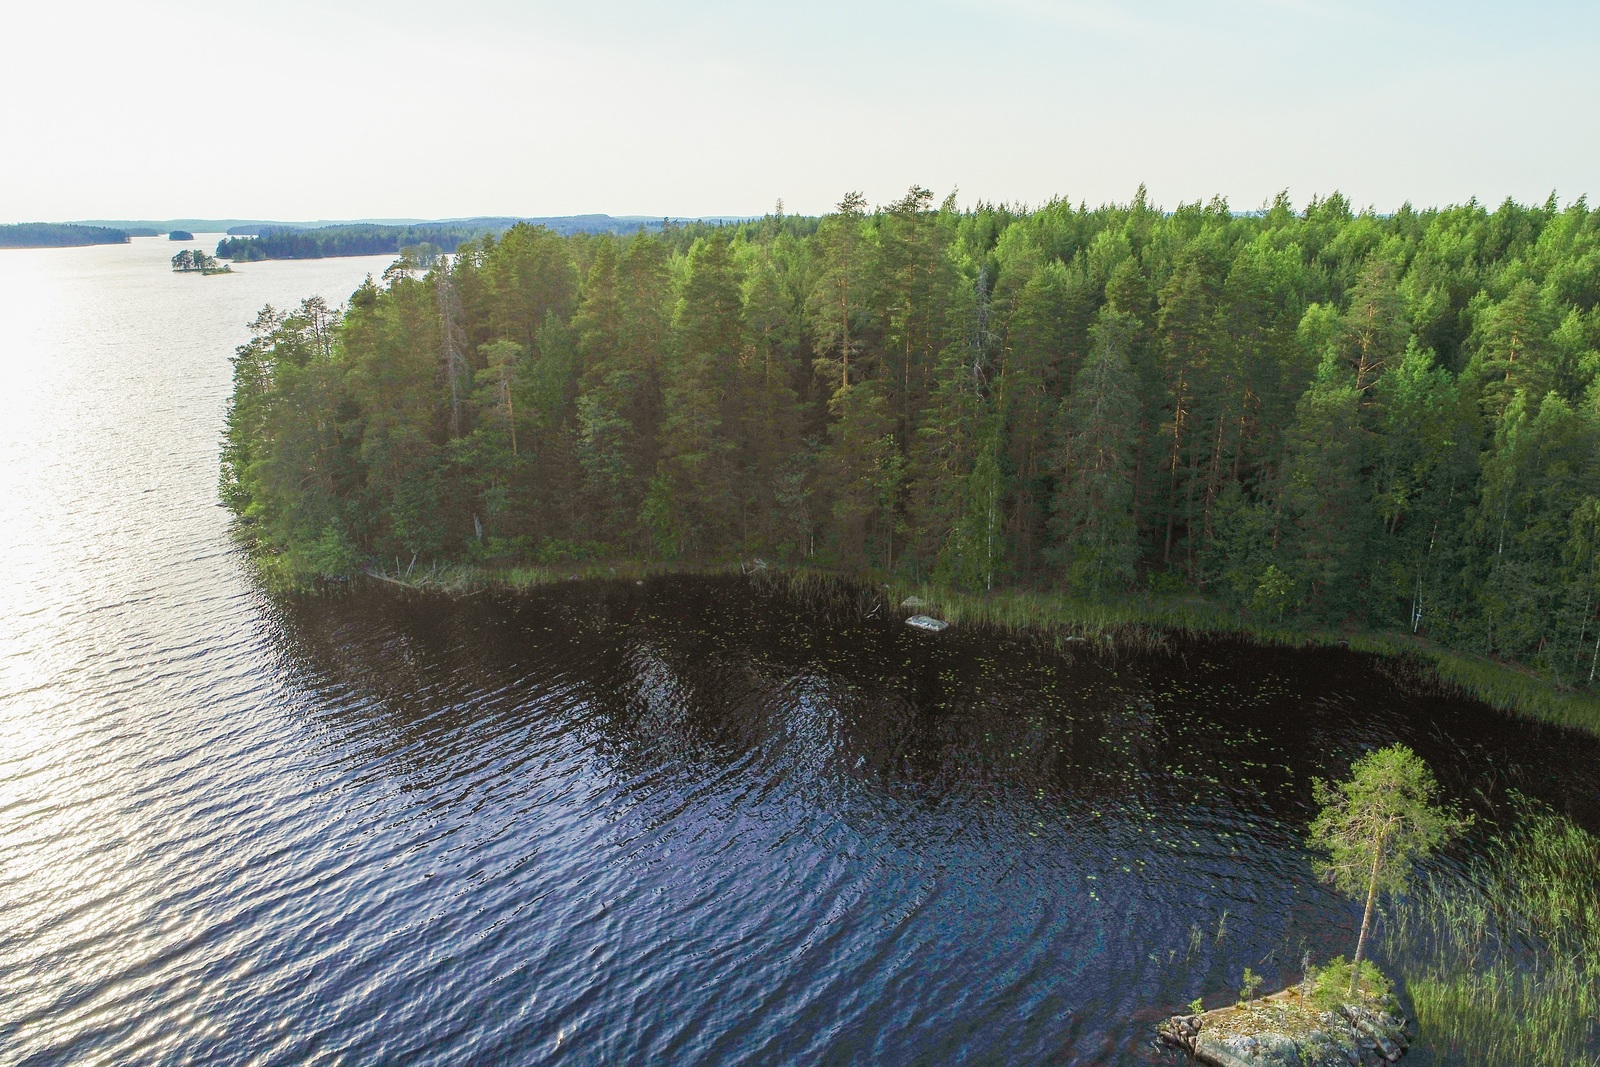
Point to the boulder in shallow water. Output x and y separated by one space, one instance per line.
927 622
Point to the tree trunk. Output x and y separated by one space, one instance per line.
449 351
1214 479
1174 460
511 412
1366 916
844 325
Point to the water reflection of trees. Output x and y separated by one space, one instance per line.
835 699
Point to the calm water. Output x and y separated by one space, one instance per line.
681 822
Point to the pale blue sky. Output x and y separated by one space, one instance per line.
305 109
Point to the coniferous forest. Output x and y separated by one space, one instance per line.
59 235
356 239
1387 421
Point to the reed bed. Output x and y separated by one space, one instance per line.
1130 624
458 579
1144 622
1503 966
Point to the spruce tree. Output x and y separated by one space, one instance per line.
1094 491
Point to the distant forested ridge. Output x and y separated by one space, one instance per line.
1381 420
355 240
58 235
370 239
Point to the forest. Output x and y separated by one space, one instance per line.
58 235
1374 420
371 239
356 239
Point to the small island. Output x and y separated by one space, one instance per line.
180 235
1313 1024
198 261
1373 828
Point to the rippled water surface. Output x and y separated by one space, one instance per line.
690 821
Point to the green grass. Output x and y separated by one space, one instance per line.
1503 967
457 579
1513 688
1145 622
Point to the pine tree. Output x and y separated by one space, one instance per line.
841 296
1376 826
769 434
1375 325
1514 350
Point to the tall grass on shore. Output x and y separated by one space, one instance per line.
1503 968
457 579
1143 622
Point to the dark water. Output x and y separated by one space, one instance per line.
708 821
691 821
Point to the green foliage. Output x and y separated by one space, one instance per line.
426 240
1324 498
1502 965
1094 495
1273 594
1323 418
554 550
195 259
1376 825
661 518
1248 984
1331 984
329 556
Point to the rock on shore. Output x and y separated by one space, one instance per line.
1287 1030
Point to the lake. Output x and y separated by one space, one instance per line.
695 820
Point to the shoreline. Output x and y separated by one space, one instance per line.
1126 622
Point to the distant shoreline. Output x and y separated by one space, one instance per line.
279 241
60 235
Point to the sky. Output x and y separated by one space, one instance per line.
300 110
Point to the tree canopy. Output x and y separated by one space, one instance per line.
1380 420
1374 827
196 259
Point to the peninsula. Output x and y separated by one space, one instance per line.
59 235
1288 421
